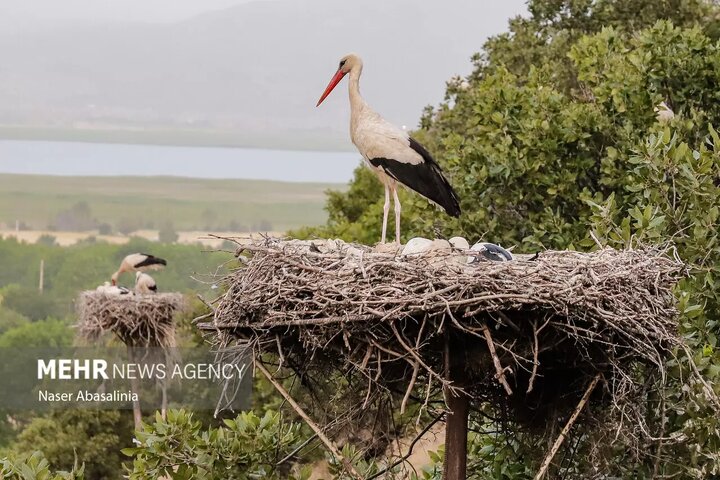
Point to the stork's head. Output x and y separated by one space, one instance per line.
114 277
347 63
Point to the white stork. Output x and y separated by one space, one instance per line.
144 284
108 289
663 113
416 246
138 262
390 152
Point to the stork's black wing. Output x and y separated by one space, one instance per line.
150 260
426 178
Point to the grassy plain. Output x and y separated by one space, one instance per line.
190 204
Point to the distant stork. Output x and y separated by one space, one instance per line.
390 152
144 284
663 113
108 289
138 262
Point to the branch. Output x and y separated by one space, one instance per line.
536 350
558 442
318 431
302 445
410 448
403 405
709 392
500 372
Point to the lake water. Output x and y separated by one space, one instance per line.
102 159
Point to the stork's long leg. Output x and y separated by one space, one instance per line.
397 214
386 210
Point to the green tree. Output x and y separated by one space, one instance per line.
244 448
46 239
70 437
105 229
127 225
553 26
553 136
43 333
34 467
77 217
29 302
167 233
10 319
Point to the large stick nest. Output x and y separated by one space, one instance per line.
530 333
137 320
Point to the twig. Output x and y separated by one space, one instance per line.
535 359
414 354
410 449
706 387
658 454
349 468
563 433
300 447
500 372
411 385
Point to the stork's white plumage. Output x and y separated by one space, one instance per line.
138 262
663 113
416 246
459 243
390 152
144 284
108 289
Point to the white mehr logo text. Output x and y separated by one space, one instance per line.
72 369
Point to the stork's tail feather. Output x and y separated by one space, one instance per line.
443 193
450 201
434 186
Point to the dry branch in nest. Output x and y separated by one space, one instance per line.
137 320
531 334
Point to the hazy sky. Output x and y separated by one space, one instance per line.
249 67
46 11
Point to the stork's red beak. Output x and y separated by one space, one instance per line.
333 82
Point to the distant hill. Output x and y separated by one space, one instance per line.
256 68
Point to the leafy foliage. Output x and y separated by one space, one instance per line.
29 302
10 319
68 270
43 334
246 447
552 137
167 233
34 467
70 437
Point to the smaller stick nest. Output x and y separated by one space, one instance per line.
137 320
530 334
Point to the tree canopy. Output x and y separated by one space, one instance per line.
552 140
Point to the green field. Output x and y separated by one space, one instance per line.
41 202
